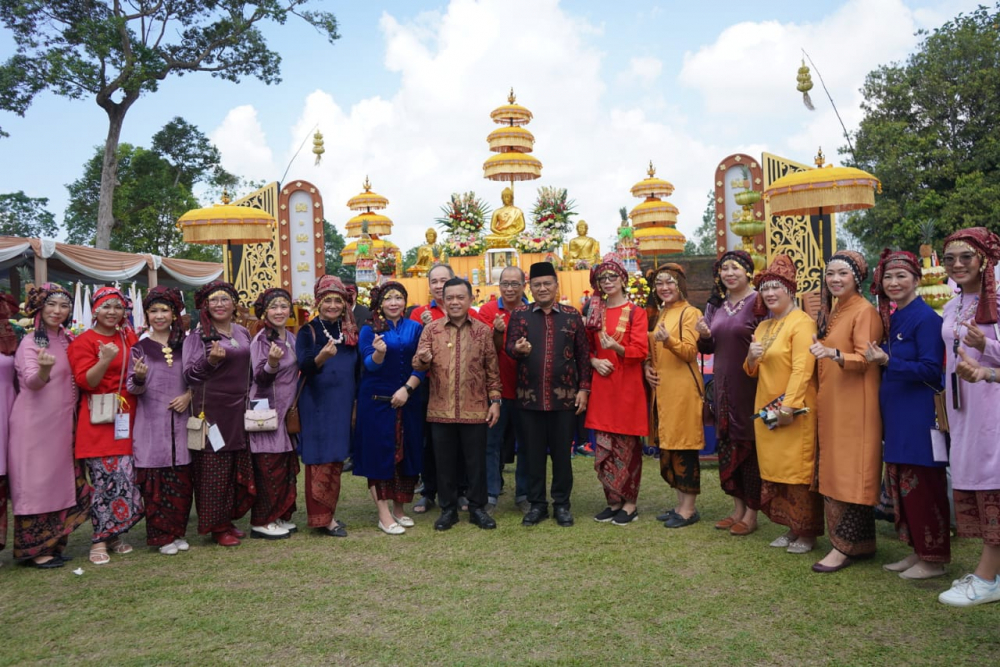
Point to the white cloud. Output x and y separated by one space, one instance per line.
644 70
243 144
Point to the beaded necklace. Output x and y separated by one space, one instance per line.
739 306
964 315
340 332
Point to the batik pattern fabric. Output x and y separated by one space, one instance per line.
681 470
47 533
618 462
851 527
167 494
794 506
400 488
322 492
224 488
116 504
977 514
274 475
919 495
739 472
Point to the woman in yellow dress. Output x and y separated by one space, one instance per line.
848 415
779 358
675 424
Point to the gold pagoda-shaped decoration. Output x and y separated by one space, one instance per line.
378 226
655 220
512 144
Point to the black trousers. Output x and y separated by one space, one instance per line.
547 432
459 447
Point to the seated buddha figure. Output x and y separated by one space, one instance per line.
582 247
425 255
507 222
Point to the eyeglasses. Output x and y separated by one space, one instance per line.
607 278
220 301
510 285
965 258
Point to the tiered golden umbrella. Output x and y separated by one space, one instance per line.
512 144
378 225
825 189
655 220
225 224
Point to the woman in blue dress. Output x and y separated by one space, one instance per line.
390 424
912 358
327 350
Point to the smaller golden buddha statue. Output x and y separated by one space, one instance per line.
582 248
507 222
426 255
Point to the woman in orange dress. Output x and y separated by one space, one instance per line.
617 332
849 419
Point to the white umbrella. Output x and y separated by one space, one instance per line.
77 305
88 316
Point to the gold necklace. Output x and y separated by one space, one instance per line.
772 333
619 332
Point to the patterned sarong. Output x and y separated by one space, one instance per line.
618 463
167 493
116 503
275 476
224 488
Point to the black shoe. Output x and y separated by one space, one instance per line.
447 519
666 515
534 515
47 565
605 515
479 517
677 521
339 531
348 465
563 516
623 518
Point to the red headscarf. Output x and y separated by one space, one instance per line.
327 285
898 259
37 296
208 332
172 298
782 270
987 246
8 338
595 314
263 302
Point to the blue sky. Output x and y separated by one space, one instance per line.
404 97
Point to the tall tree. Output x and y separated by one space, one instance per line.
154 189
116 51
930 134
703 242
335 242
24 216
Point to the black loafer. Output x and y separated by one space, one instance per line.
666 515
447 519
535 515
563 516
479 517
677 521
47 565
339 531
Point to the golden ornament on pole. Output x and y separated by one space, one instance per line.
804 85
318 148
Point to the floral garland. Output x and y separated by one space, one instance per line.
464 218
553 213
638 289
385 262
536 242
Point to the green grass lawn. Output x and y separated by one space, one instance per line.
590 594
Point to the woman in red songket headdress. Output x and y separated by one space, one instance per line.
217 368
617 333
48 491
159 441
779 358
100 358
327 350
850 423
275 377
970 331
910 357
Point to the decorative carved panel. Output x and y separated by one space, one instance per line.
253 267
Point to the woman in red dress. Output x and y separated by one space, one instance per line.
616 330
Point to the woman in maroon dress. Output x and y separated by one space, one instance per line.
725 331
217 368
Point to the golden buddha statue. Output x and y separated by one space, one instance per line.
582 248
425 255
507 222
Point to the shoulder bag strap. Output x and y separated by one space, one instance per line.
680 327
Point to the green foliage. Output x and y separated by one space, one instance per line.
410 257
930 135
703 242
335 242
24 216
154 190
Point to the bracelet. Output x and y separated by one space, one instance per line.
494 401
993 376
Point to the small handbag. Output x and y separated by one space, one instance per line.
104 407
292 423
256 421
197 427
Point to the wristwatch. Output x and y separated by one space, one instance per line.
494 401
409 389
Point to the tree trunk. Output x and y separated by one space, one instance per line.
109 176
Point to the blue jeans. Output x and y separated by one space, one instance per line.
494 445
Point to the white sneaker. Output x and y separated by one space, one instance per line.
182 544
271 531
169 549
287 525
971 590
